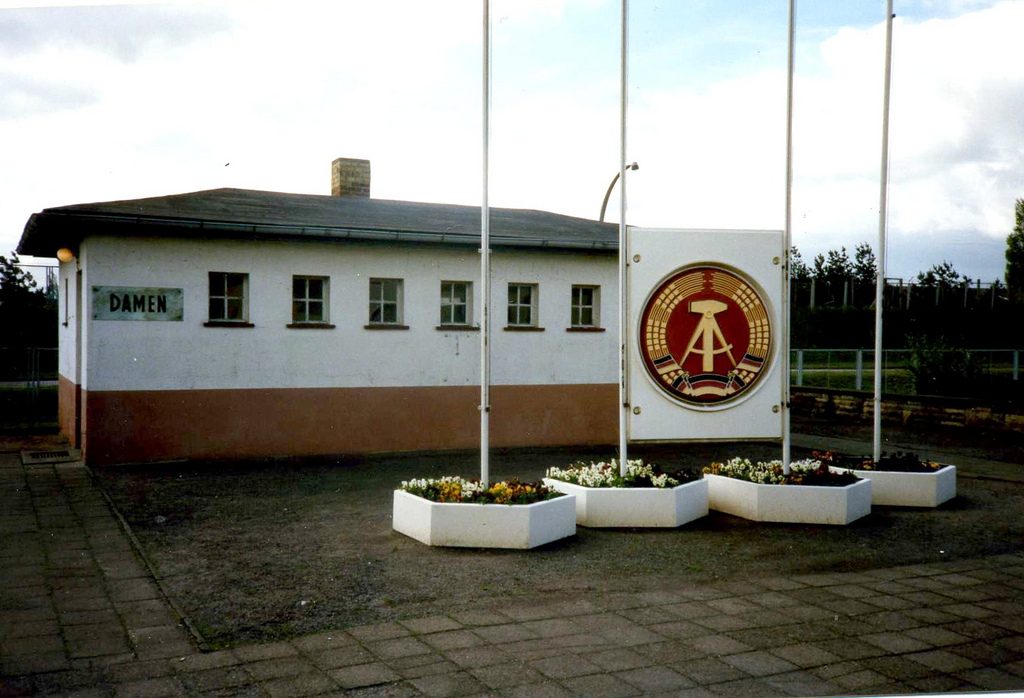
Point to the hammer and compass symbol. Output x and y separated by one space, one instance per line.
707 331
732 336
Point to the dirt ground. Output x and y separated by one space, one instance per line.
259 551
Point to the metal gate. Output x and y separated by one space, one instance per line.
28 388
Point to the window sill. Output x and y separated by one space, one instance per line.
227 323
383 326
457 328
584 329
309 326
523 328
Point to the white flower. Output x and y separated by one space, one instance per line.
603 474
764 472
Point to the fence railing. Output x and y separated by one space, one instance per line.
28 387
45 275
982 373
899 294
28 364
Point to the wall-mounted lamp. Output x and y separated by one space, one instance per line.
65 255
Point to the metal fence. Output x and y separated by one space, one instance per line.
982 373
28 365
899 294
28 376
45 276
28 387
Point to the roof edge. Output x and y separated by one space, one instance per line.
66 228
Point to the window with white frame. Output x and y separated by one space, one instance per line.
309 300
585 306
385 301
455 302
229 297
522 305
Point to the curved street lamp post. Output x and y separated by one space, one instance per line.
604 204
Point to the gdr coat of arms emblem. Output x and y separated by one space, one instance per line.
705 335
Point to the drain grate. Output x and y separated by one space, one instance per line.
65 455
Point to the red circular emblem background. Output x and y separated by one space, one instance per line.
705 335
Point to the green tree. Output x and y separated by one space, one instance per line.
865 266
818 271
836 266
942 275
1015 256
798 269
28 314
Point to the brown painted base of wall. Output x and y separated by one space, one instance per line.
68 396
907 411
133 427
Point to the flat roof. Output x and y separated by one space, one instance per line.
248 214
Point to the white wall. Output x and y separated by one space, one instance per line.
66 313
138 355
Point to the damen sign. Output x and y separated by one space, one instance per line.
131 303
705 335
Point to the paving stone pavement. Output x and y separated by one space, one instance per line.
80 615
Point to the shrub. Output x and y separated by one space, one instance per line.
939 368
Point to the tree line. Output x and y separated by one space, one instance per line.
1015 256
837 266
28 313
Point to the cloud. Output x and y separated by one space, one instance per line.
710 158
959 122
126 32
113 103
23 96
102 103
955 137
711 152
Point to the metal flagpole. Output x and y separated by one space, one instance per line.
623 301
485 261
883 199
787 241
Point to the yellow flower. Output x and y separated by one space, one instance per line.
449 492
501 492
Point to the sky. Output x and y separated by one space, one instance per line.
124 101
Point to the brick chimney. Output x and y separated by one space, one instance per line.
350 177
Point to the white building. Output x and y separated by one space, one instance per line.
231 323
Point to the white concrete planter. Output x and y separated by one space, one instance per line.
484 525
909 489
621 507
789 503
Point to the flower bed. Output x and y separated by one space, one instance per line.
452 511
454 489
809 493
811 472
902 480
638 474
645 497
900 462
